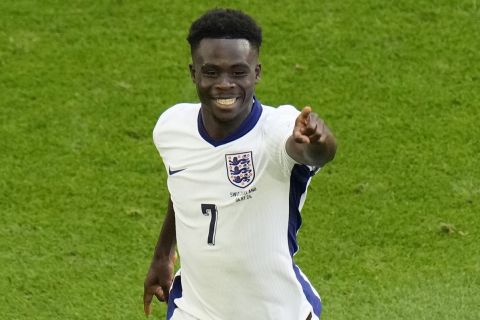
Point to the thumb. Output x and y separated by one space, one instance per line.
165 291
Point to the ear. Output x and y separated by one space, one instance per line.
258 72
192 71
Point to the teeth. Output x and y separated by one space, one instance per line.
226 102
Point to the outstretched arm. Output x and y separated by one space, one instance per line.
160 274
311 142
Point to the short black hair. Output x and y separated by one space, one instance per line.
225 24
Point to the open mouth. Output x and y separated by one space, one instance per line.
226 102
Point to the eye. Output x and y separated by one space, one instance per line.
239 74
209 73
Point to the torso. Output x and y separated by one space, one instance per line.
236 218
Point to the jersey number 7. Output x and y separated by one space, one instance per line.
211 209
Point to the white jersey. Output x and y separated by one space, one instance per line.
237 212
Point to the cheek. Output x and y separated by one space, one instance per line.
204 83
249 84
202 86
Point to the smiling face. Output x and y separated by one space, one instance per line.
225 72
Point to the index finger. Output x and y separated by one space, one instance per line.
147 300
305 113
147 308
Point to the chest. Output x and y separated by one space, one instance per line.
199 171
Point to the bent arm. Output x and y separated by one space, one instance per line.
311 143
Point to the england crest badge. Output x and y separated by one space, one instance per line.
240 170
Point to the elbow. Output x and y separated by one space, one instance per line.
325 154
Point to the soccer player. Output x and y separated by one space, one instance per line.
238 173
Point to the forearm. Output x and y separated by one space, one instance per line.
311 143
160 274
313 154
166 244
319 154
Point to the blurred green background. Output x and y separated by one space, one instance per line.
391 227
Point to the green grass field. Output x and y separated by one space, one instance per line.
391 227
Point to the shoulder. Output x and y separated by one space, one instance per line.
284 110
178 113
180 110
278 127
181 115
287 110
280 115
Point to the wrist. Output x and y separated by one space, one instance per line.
166 256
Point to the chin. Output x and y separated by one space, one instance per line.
226 115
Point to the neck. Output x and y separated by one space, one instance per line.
220 132
218 129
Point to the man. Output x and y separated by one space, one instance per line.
238 175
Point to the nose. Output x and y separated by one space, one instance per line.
224 82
